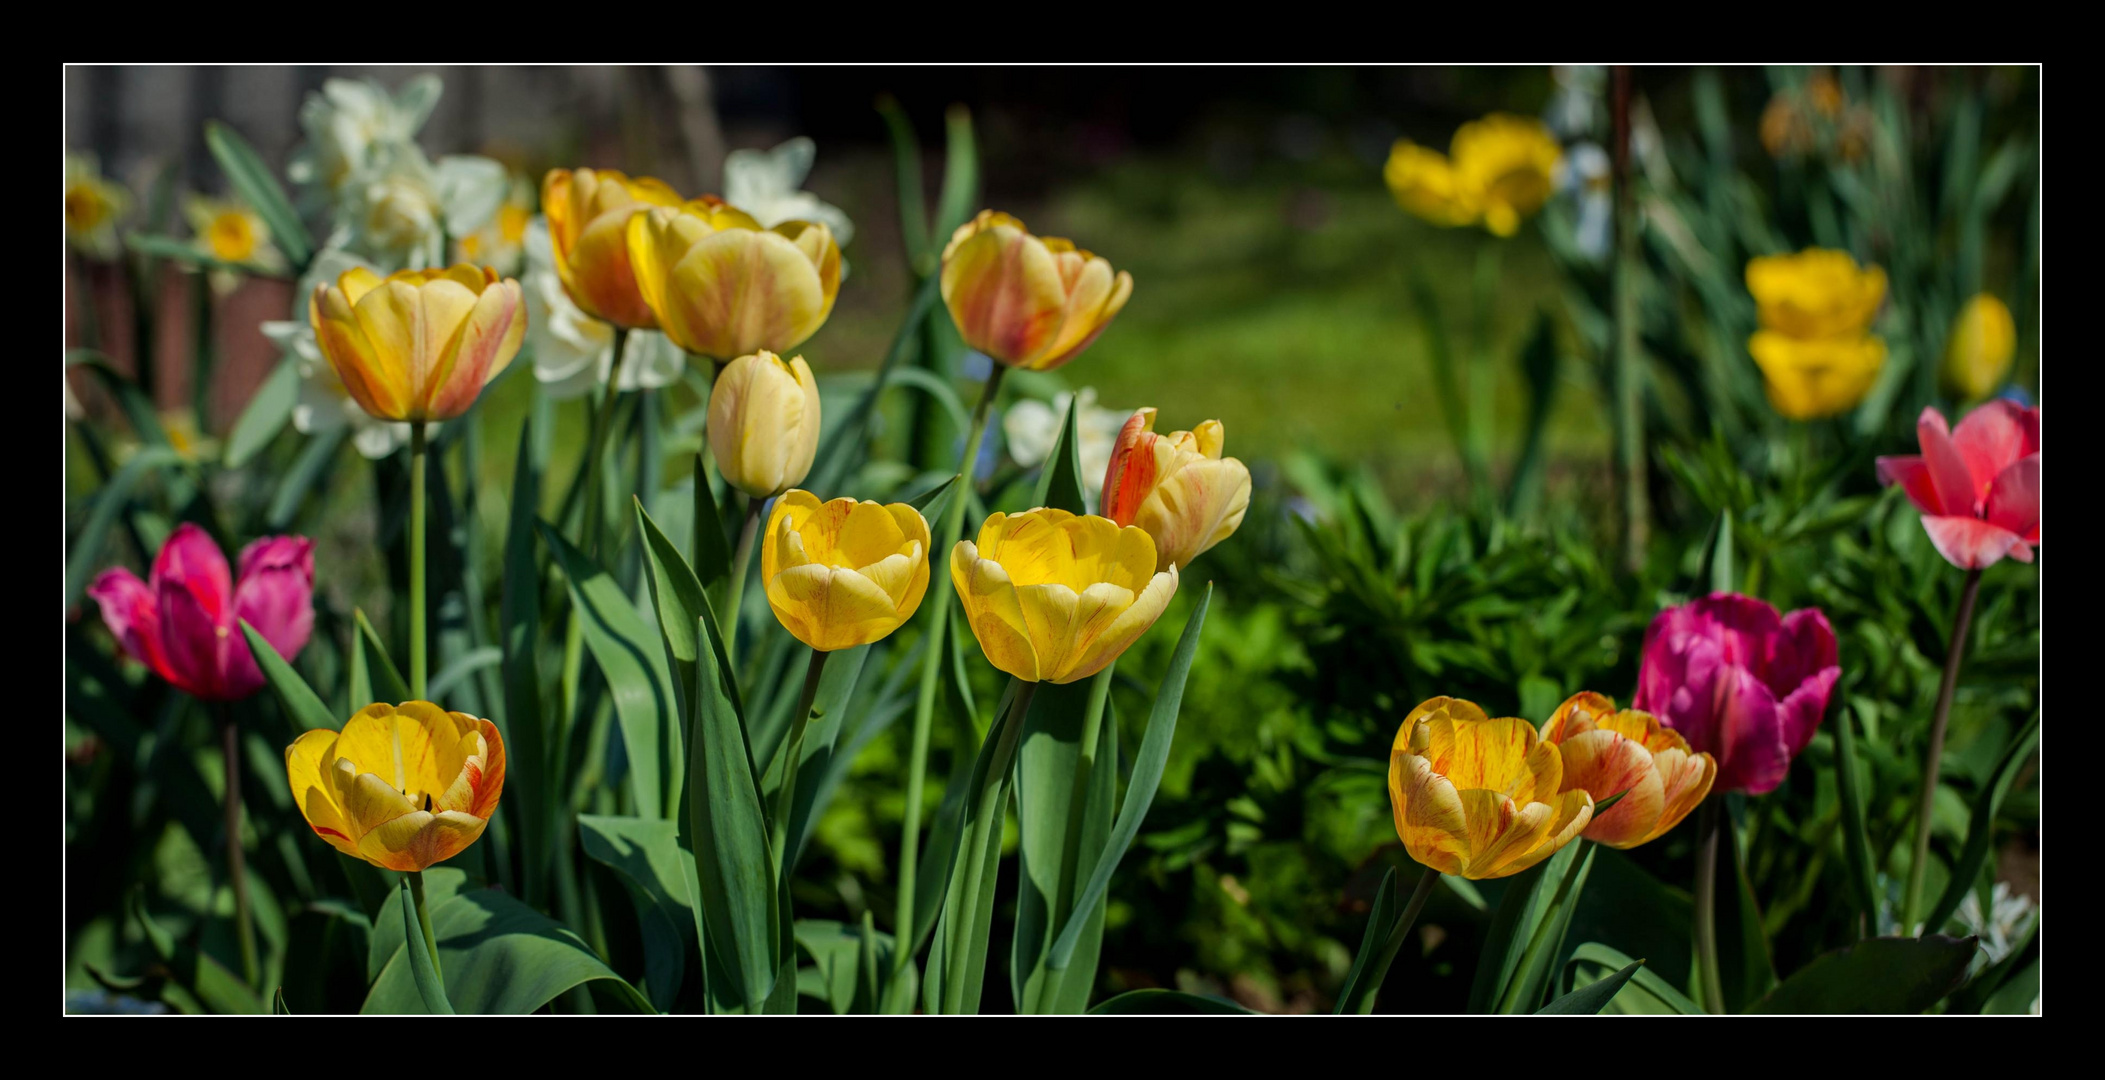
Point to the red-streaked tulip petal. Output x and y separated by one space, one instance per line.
1913 476
1970 543
1605 764
1949 474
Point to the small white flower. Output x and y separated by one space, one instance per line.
1585 174
1031 429
1575 107
767 184
573 351
398 210
2009 918
348 117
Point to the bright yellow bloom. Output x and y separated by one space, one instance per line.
1983 342
1815 293
1508 165
588 215
843 573
1424 183
1479 797
1029 302
1177 487
1628 753
1812 378
400 787
721 286
418 344
764 423
1053 597
229 231
93 207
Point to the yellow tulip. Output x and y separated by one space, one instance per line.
1811 378
588 215
764 423
1479 797
1508 165
1177 487
1423 182
1983 342
402 787
721 286
1053 597
418 344
1028 302
843 573
1628 753
1815 293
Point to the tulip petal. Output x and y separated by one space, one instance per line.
1430 817
2013 500
1132 473
1913 476
1114 639
991 607
303 765
192 561
1970 543
129 610
1605 764
481 348
197 646
1755 757
1989 439
276 596
1687 778
1949 473
1003 289
1572 811
1502 831
1488 754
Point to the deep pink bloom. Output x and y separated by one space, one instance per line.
1977 486
1740 683
184 621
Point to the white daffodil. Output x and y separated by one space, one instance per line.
768 185
347 118
398 210
501 243
323 403
1575 107
573 351
2010 915
1585 175
1031 429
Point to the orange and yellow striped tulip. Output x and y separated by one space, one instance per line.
1053 597
402 787
588 221
1028 302
722 287
1628 753
1478 797
418 345
843 573
1178 487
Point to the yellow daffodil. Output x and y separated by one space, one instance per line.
764 423
1812 378
418 344
721 286
1498 170
94 205
501 243
402 787
1053 597
1177 487
1815 293
588 215
1629 753
1029 302
1983 342
843 573
227 230
1423 182
1479 797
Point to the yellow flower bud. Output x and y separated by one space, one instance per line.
721 286
1479 797
1983 342
1177 487
418 344
843 573
764 423
1028 302
400 787
588 215
1053 597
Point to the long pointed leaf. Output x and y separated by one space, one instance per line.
734 869
302 706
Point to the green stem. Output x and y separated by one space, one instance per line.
1077 808
595 452
990 806
418 663
1911 907
1629 399
1709 827
237 865
792 756
741 561
938 604
1360 997
431 940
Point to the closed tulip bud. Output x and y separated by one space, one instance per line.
588 227
1053 597
184 621
764 423
721 286
402 787
1177 487
1028 302
1983 341
1811 378
1629 753
843 573
1815 293
1977 485
418 345
1477 797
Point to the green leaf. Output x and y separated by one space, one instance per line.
138 408
386 677
253 180
1878 975
1373 959
960 178
935 500
519 622
935 387
1855 847
1060 481
681 603
217 988
1643 992
277 1003
1980 833
431 992
645 853
1721 573
840 953
841 450
1744 965
1049 815
734 869
711 543
957 963
636 674
265 415
87 556
1148 764
906 164
1590 999
462 666
314 460
1532 975
1520 910
2015 997
498 956
303 708
829 709
1167 1003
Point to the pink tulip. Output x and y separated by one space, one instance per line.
184 621
1740 683
1977 486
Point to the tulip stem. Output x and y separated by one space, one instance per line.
983 826
1709 826
1911 907
1359 993
741 561
792 757
431 940
594 466
417 661
237 865
940 588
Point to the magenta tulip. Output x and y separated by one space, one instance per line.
1740 683
1977 486
184 621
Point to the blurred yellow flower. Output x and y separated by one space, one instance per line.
588 214
721 286
1479 797
1983 342
1498 170
843 573
764 423
501 244
1177 487
1053 597
1810 378
1815 349
93 207
1629 753
1818 114
418 344
227 230
1027 301
1424 183
402 787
